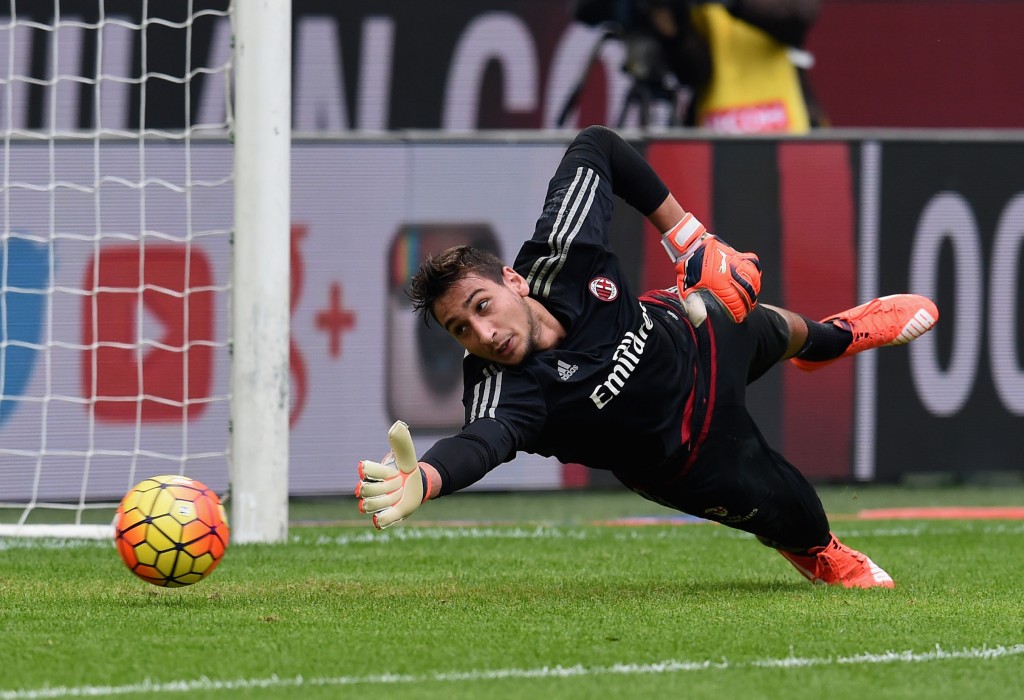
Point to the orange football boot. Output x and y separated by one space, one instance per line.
835 564
891 320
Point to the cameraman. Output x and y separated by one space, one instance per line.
741 59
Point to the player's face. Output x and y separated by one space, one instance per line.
490 320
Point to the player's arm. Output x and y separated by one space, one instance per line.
392 489
702 261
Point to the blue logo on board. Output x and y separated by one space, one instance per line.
25 274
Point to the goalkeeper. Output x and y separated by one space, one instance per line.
562 360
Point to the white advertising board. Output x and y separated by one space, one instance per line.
95 321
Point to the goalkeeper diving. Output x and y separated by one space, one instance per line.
563 360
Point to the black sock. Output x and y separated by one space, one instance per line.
825 341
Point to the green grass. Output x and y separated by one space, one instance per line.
493 610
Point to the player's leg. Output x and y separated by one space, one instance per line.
738 480
889 320
793 520
768 336
816 341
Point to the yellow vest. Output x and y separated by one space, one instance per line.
754 86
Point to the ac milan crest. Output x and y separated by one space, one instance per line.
604 289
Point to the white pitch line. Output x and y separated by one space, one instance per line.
671 666
554 531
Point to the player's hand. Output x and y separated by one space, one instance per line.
704 261
734 278
392 488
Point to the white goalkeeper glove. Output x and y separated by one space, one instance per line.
392 488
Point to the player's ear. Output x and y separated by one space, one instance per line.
515 281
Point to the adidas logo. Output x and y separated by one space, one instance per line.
565 370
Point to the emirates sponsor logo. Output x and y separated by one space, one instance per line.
625 359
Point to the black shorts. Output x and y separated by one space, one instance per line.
735 477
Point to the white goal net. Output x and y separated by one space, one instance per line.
117 203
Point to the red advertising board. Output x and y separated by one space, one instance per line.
154 375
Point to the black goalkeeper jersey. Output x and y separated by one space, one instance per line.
618 393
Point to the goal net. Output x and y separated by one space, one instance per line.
116 267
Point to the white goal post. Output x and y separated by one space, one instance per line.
260 370
144 258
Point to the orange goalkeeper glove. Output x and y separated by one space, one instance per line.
704 261
393 488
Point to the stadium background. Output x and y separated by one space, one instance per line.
940 212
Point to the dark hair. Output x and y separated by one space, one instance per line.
439 273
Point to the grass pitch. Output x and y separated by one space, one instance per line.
527 597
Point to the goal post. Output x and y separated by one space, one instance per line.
144 259
260 302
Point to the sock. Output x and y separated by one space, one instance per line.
825 341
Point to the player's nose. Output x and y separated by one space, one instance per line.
484 331
482 327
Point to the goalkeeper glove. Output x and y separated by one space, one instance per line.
704 261
394 487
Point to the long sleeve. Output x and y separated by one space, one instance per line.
465 458
631 177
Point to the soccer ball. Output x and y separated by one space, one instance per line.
171 530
